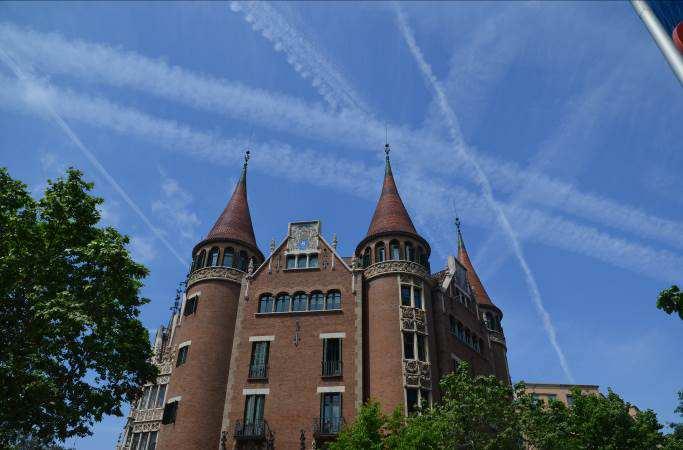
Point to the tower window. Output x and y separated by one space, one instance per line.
421 350
317 301
282 303
395 250
411 293
366 257
213 257
265 304
299 302
191 305
182 355
229 257
417 297
170 412
242 260
405 295
408 345
333 300
200 260
380 252
421 256
410 251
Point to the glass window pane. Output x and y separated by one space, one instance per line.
333 300
152 397
405 295
410 252
145 397
265 304
282 303
152 440
421 354
291 261
408 346
136 441
317 302
301 262
243 260
160 396
300 302
417 297
313 261
143 440
228 257
395 251
411 400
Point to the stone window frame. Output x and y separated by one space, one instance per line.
414 283
186 347
309 296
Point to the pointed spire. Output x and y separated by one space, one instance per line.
235 220
480 294
390 213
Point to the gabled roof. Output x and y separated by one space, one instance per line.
480 294
235 220
390 213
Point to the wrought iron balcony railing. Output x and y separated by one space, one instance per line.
327 426
332 368
252 431
258 371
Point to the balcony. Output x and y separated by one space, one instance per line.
327 427
254 431
258 372
331 369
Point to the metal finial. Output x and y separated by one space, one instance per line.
457 223
247 155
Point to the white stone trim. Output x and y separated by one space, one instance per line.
184 344
196 294
326 389
174 399
261 338
262 391
340 335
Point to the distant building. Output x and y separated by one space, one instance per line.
281 351
561 392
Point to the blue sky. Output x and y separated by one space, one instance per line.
566 113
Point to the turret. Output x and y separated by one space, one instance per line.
203 336
396 303
489 313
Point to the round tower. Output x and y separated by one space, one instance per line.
488 312
203 334
396 302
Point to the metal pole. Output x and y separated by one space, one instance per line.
663 40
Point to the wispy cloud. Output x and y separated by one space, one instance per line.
427 198
142 249
39 98
302 54
174 208
100 63
485 186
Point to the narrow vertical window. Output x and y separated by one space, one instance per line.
379 252
258 366
145 397
136 441
161 396
408 345
394 250
152 444
191 305
452 325
301 262
410 251
265 304
330 413
332 357
421 256
366 257
213 257
152 397
405 295
229 257
417 297
421 350
200 260
170 412
291 261
313 261
182 355
243 260
412 401
253 415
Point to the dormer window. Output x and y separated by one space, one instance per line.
302 261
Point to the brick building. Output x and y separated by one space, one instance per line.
281 351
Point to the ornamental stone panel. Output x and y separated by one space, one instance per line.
413 319
417 373
396 266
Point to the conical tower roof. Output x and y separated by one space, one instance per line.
390 214
480 294
234 223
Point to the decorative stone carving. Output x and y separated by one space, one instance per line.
386 267
417 373
413 319
496 336
303 236
216 273
147 415
163 379
146 426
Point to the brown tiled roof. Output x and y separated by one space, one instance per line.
480 294
390 213
235 220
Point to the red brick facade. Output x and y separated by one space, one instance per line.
282 351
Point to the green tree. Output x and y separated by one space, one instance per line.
72 348
671 300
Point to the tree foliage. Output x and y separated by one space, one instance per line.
72 348
671 301
483 413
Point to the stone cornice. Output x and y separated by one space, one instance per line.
396 266
215 273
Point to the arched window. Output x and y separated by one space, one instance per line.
242 260
317 301
229 257
394 250
380 254
300 302
200 260
265 304
366 257
421 256
213 257
282 303
333 300
410 251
